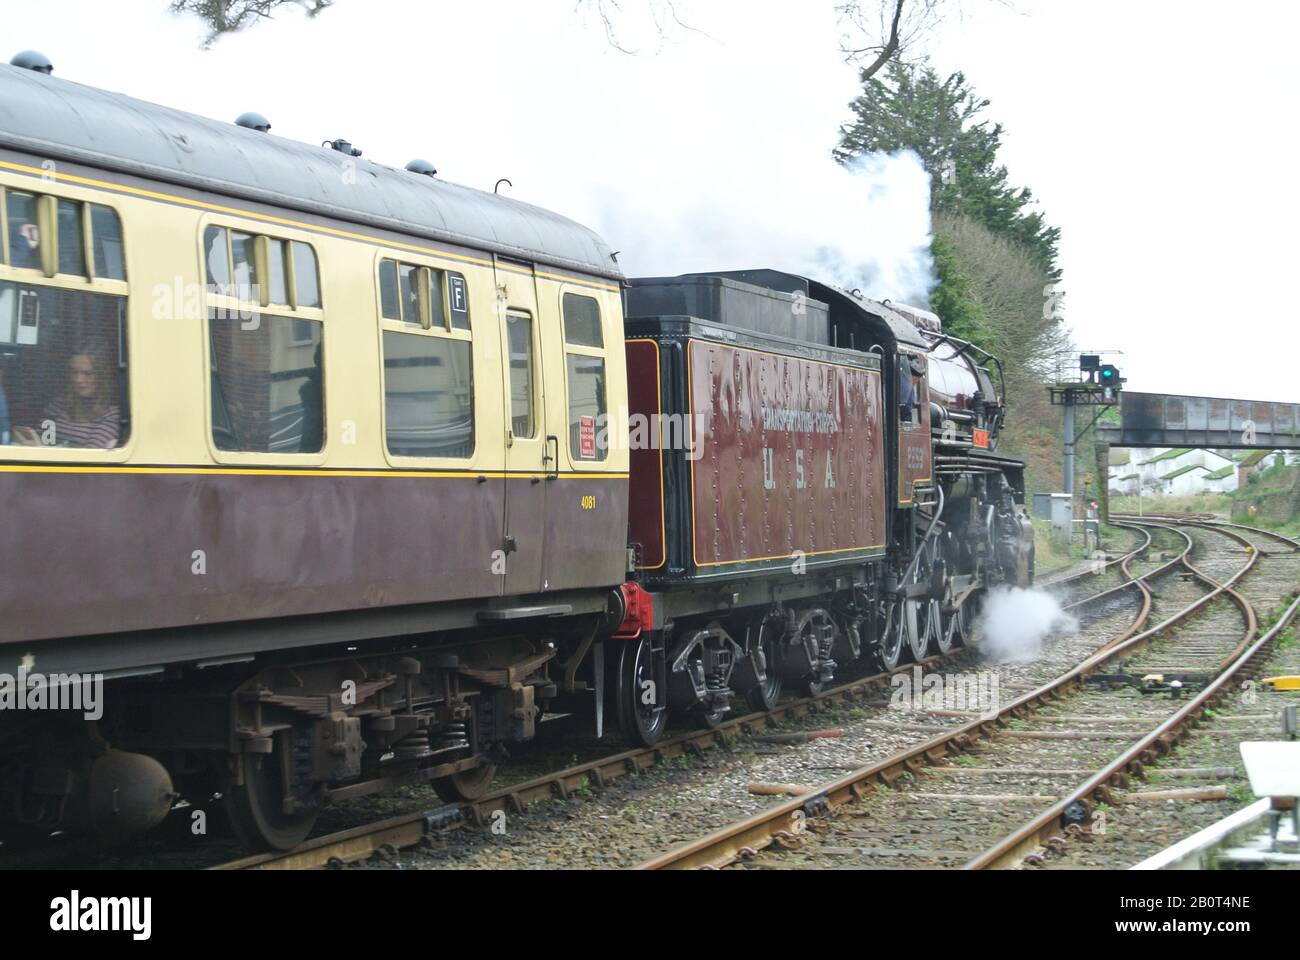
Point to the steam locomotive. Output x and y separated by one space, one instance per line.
338 477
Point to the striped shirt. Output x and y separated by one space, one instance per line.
101 432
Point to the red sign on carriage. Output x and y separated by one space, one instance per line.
981 438
587 438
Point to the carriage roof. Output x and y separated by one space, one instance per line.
61 120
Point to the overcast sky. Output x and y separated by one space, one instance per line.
1158 136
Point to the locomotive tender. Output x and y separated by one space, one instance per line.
342 475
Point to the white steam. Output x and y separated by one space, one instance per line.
864 226
1016 622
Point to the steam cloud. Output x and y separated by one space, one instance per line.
1016 622
863 226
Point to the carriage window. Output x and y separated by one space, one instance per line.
106 232
428 395
409 299
586 406
63 376
519 332
267 384
72 252
24 230
582 321
437 307
399 295
278 285
217 256
388 303
24 214
307 280
245 260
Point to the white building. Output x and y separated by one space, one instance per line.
1175 472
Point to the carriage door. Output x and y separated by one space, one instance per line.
526 459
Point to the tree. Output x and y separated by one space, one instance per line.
911 108
231 16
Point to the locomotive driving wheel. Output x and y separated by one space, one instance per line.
899 625
255 807
922 615
951 626
642 715
955 628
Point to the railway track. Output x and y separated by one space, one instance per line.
1203 777
988 791
412 829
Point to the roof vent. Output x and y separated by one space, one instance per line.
33 60
422 166
342 146
253 121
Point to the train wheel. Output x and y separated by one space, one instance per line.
928 617
767 634
955 628
642 715
929 613
893 638
255 808
466 786
713 719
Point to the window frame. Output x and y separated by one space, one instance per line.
576 462
425 269
47 218
447 332
74 283
213 301
535 398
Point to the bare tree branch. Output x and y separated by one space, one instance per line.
885 30
663 16
230 16
887 50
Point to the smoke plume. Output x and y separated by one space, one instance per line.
1015 623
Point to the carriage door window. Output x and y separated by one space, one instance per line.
519 330
585 375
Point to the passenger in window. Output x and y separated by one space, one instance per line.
84 417
313 426
24 244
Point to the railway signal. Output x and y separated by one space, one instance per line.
1098 385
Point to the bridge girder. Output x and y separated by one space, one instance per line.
1171 420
